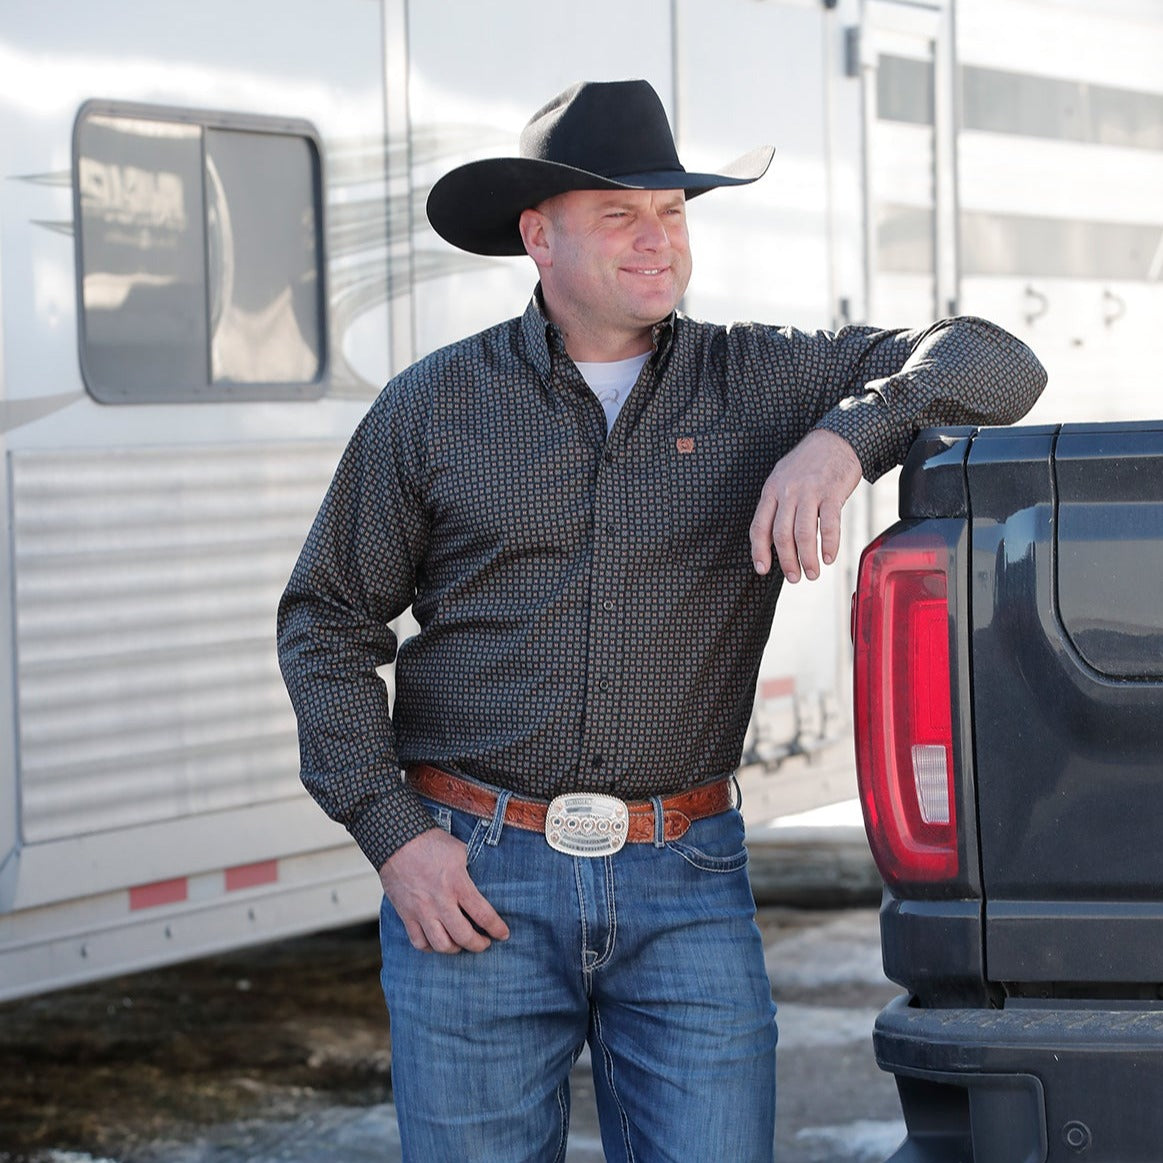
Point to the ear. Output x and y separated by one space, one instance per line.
535 230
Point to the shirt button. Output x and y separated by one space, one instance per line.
597 761
608 604
604 685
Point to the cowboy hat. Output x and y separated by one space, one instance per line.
596 135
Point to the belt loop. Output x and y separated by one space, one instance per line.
493 837
659 822
738 796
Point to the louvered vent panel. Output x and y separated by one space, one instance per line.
146 589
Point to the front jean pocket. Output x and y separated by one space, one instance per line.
714 844
468 829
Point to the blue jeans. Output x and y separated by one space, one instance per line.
651 955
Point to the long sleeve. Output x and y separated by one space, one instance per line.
959 371
356 573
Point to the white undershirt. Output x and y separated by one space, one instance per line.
611 382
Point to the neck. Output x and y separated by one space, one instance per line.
588 344
589 349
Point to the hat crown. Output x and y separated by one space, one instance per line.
610 128
597 135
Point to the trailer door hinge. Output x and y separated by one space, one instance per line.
852 51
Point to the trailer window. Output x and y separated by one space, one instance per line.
1069 248
200 256
904 90
1061 109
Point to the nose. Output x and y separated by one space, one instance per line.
652 232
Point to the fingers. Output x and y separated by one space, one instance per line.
802 550
428 885
450 931
799 507
417 936
483 915
829 531
444 926
794 534
791 524
762 534
467 922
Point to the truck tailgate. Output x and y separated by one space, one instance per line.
1067 642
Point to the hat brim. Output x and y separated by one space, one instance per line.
477 206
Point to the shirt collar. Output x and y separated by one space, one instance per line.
543 339
539 336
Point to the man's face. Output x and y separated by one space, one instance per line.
619 261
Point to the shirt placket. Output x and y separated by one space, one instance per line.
597 759
609 634
599 754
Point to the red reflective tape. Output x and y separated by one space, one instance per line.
252 875
777 688
161 892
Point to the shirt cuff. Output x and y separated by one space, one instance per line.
388 824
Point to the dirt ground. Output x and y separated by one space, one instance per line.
119 1067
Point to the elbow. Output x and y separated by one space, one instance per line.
1017 367
1030 379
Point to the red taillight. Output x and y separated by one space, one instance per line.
903 717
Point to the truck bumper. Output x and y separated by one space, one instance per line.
1025 1085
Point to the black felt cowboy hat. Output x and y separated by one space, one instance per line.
597 135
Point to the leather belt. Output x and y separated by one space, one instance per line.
679 811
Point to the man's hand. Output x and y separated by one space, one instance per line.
803 496
428 883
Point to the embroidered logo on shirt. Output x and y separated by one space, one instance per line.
685 444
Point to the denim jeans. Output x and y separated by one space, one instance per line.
651 955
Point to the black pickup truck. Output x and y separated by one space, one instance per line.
1008 639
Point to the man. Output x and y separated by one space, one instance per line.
594 585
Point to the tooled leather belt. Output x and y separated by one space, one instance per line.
582 823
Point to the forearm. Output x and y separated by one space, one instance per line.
329 654
346 740
959 371
355 575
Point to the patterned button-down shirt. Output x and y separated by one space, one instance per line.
589 616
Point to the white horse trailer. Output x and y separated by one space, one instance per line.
213 253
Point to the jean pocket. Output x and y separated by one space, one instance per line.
475 840
470 830
714 844
441 814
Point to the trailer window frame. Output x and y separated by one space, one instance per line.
186 338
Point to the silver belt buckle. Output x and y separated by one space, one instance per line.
587 824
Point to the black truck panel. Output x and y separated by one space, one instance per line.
1032 1031
1109 544
1068 760
1026 1085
